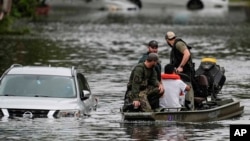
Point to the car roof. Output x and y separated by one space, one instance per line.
41 70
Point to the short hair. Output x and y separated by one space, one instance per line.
169 69
153 57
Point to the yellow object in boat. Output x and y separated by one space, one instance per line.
209 59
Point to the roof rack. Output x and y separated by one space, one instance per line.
16 65
12 66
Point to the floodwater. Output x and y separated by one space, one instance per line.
105 46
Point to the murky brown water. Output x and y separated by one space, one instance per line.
106 47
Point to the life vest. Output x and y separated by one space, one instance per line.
170 76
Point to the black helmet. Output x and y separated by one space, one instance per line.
153 43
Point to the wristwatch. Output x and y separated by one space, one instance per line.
181 66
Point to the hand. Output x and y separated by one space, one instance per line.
179 70
161 88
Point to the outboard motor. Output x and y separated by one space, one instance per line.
214 75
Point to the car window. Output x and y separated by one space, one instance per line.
38 86
82 82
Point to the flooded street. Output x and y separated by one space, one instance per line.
105 47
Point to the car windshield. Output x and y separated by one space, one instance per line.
37 86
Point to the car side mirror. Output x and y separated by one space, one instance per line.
85 95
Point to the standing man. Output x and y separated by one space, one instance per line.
143 82
180 57
153 48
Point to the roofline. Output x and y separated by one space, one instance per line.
19 65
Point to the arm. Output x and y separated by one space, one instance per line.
181 46
136 82
186 55
161 88
183 86
187 88
154 80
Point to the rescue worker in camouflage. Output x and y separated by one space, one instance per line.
153 48
143 82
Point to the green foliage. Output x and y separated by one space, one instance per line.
5 24
19 9
24 8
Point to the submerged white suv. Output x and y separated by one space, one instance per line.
44 92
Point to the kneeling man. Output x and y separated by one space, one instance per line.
143 82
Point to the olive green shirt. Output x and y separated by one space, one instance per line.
140 78
181 46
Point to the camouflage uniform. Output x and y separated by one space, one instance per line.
153 99
157 67
142 82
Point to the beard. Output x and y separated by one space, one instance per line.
153 65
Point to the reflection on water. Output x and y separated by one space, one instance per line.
154 131
105 47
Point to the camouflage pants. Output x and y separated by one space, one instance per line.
143 98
